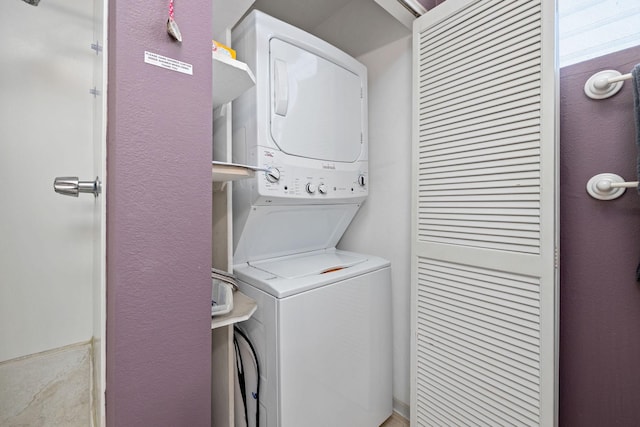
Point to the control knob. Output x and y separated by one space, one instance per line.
272 174
311 188
322 189
362 180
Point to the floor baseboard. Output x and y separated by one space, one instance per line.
401 409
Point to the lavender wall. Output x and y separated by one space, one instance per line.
158 218
600 250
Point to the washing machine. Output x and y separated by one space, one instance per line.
322 333
322 329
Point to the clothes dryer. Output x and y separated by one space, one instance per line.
305 122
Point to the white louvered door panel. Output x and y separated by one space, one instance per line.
484 298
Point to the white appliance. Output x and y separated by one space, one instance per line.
322 330
323 340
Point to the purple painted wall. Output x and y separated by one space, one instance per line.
600 250
158 218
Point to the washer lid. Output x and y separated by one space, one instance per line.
277 231
312 264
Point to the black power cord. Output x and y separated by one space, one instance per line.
241 375
241 381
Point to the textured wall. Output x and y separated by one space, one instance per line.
600 249
158 218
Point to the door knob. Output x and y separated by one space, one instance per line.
71 186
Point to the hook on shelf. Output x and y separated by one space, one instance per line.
608 186
605 84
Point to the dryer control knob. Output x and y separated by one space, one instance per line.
362 180
311 188
272 174
322 189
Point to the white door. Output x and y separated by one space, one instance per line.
484 271
51 256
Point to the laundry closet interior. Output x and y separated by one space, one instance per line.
356 27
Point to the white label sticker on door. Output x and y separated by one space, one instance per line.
168 63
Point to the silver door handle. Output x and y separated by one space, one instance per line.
71 186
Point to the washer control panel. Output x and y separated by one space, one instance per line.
309 179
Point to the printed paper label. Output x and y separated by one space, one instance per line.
168 63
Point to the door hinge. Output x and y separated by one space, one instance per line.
97 47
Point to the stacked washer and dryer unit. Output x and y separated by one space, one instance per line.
322 330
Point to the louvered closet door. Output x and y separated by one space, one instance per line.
484 349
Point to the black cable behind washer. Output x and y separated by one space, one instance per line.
255 356
241 381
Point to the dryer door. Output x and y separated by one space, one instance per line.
317 108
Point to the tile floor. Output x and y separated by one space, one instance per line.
47 389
